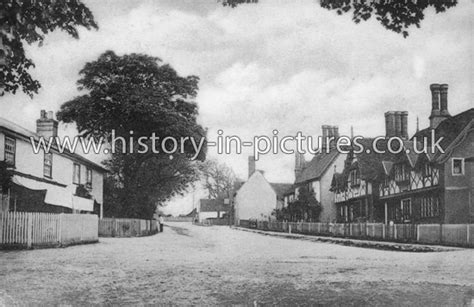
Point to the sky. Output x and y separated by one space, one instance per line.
285 65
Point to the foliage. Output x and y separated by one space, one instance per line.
218 179
138 93
397 16
5 176
305 208
30 21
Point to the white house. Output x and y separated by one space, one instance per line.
318 173
47 182
257 198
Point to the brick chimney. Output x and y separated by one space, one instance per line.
329 132
439 104
396 124
46 125
299 164
251 165
390 129
404 124
444 99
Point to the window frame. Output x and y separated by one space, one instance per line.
403 210
50 174
462 167
78 173
11 163
89 182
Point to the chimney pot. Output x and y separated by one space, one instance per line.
404 124
434 98
444 99
390 129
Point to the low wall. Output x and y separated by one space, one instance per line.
443 234
34 229
112 227
179 219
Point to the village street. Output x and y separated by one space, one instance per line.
217 265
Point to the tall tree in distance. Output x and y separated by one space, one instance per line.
143 102
29 21
397 16
218 179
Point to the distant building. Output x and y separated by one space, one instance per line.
47 182
257 198
317 174
212 208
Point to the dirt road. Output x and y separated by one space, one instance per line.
216 265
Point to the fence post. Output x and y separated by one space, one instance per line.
289 228
383 231
29 229
60 237
440 233
417 232
2 216
467 234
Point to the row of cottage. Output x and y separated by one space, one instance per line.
354 185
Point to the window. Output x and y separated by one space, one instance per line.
354 177
427 170
401 172
10 148
48 165
458 166
89 178
430 207
76 176
406 209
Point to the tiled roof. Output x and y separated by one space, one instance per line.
315 168
213 205
281 188
449 129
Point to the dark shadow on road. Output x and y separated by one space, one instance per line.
179 230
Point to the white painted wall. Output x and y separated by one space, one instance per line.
206 215
326 196
27 162
256 199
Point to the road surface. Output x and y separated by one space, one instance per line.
221 266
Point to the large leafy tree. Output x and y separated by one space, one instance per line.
138 93
397 16
217 178
304 208
29 21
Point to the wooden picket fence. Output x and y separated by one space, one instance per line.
112 227
34 229
443 234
